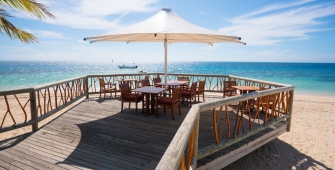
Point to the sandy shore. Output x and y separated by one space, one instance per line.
309 145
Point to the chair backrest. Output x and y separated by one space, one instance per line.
176 94
124 88
194 87
146 77
157 80
145 82
228 84
101 82
202 85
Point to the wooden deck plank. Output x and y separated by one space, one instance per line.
94 151
30 161
36 155
5 162
96 135
53 159
17 161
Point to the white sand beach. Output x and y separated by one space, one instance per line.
309 145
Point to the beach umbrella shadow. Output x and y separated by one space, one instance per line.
120 141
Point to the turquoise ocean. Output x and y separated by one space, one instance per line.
308 78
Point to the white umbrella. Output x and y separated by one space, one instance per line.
165 27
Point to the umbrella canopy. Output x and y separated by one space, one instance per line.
165 27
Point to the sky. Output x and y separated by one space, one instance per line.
274 31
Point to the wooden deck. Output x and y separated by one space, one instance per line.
95 135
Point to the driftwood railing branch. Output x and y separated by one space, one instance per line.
43 102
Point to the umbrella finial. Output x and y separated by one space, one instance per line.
166 9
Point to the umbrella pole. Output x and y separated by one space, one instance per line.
165 64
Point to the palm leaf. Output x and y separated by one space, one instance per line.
14 32
30 6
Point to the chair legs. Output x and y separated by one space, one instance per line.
135 106
172 110
109 92
121 106
203 97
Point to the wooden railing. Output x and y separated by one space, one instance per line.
188 133
37 103
214 83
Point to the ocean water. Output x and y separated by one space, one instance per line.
308 78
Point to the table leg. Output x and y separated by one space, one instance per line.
153 102
147 100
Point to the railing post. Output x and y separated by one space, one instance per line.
195 140
33 110
86 87
290 108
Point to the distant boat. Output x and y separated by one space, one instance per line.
127 67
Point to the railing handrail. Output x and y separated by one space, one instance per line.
57 83
174 152
234 99
260 81
16 91
172 156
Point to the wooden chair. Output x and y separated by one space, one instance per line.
139 82
157 80
145 82
107 87
228 90
184 79
128 96
190 93
170 102
200 90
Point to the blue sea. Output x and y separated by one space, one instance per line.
308 78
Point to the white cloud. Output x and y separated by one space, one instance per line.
281 22
88 14
203 13
45 34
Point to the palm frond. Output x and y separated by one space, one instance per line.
3 13
14 32
29 6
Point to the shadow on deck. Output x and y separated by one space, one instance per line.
95 135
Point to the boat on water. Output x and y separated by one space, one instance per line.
127 67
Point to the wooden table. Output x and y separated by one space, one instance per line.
246 89
173 83
150 91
